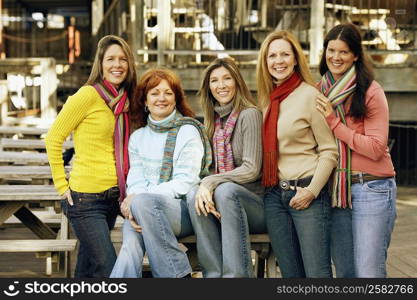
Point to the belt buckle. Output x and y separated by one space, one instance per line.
285 185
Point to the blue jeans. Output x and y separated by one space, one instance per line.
92 217
373 217
300 238
163 219
224 247
342 242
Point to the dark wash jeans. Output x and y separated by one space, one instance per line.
92 217
300 238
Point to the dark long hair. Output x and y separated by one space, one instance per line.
150 79
350 34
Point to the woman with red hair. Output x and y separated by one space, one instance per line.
168 154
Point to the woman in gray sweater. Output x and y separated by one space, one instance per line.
228 206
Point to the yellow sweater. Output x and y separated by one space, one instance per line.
94 166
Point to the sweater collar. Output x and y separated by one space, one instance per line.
163 121
224 110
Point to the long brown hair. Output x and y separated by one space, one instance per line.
150 79
96 74
264 79
242 99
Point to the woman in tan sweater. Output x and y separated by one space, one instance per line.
299 155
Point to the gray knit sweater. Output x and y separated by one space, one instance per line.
247 151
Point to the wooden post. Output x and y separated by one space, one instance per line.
316 31
136 27
164 32
2 52
49 85
97 11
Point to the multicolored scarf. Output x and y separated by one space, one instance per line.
222 146
270 129
172 128
338 92
118 102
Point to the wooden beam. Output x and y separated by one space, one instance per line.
8 209
37 245
35 224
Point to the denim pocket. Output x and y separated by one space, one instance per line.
378 186
64 207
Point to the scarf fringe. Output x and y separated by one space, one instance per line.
270 172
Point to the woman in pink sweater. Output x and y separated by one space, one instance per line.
364 189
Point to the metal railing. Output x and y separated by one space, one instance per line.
403 151
216 27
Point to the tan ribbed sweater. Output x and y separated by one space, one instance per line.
306 144
247 153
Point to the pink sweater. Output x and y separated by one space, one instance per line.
367 138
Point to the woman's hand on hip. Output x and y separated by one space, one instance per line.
302 199
67 195
323 105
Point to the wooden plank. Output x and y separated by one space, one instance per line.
11 130
23 158
254 238
26 172
37 245
6 143
28 193
7 210
34 224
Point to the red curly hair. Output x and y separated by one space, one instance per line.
150 79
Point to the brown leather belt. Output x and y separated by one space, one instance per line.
356 178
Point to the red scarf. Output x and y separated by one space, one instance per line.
270 129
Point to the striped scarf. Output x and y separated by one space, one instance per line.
118 102
338 92
172 128
222 147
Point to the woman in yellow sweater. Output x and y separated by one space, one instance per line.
98 117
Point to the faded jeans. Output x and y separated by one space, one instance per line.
300 238
373 216
223 246
163 220
371 222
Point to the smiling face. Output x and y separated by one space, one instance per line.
339 58
115 65
280 60
222 85
160 101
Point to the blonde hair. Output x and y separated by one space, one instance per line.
264 78
241 100
96 74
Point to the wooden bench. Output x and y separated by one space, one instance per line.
264 266
260 243
17 130
46 247
13 200
27 173
23 158
6 143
